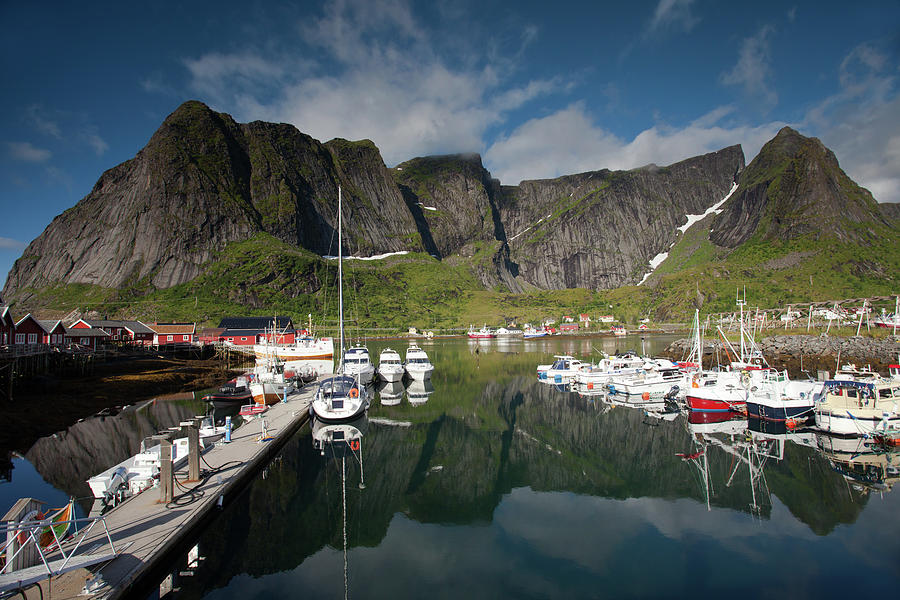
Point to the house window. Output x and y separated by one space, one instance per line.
243 339
168 338
20 338
32 338
184 338
85 341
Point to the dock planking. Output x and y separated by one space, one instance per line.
148 531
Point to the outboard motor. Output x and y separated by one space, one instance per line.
671 399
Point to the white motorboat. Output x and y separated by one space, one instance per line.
358 364
141 471
417 364
654 380
508 332
344 396
561 370
390 367
607 367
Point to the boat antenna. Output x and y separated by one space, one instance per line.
340 282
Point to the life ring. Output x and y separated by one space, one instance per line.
34 515
645 395
354 392
354 444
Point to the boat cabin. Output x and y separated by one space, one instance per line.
868 394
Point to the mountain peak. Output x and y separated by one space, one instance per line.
794 188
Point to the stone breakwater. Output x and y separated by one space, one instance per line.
809 353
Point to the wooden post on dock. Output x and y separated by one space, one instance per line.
193 436
166 473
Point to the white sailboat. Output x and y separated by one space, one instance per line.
341 397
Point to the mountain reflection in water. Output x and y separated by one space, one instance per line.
501 486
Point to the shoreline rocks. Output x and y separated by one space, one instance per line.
807 354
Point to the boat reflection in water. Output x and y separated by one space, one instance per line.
862 463
418 391
390 392
342 443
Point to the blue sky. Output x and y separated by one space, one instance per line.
539 89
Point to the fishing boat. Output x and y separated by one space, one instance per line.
485 333
859 408
390 367
270 383
725 390
618 330
343 396
776 398
305 350
233 393
417 364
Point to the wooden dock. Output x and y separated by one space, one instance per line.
149 533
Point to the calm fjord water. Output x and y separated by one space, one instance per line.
498 485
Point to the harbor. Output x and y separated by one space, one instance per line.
145 528
465 473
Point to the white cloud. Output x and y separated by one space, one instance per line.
569 141
752 71
377 75
672 14
27 152
861 122
43 123
96 142
11 244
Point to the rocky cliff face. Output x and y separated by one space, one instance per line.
794 188
600 229
204 180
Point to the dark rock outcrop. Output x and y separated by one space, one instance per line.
794 188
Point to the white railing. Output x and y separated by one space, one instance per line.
57 556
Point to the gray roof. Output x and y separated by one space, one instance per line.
82 332
134 326
258 323
47 325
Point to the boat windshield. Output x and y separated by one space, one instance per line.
337 386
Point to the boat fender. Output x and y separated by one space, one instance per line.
354 392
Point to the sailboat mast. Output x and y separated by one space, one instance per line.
699 341
340 280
